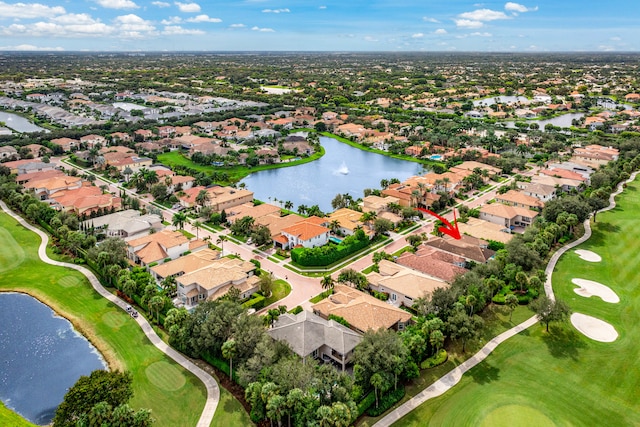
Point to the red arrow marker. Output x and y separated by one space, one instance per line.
448 229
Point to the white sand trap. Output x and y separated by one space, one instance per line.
588 255
589 288
593 328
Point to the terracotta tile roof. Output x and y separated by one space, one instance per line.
516 197
467 247
563 173
433 262
154 245
220 272
362 311
404 281
506 211
305 230
186 264
484 230
248 209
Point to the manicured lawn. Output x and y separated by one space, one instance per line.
562 377
280 290
235 173
175 396
10 418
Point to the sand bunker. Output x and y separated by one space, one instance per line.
589 288
588 255
593 328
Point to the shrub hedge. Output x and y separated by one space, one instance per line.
256 302
366 403
328 254
435 360
386 402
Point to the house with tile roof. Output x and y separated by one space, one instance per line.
362 311
311 336
470 248
46 187
127 224
306 233
213 281
93 140
7 152
161 246
434 263
519 199
403 284
485 230
509 216
67 144
86 200
348 221
220 198
544 192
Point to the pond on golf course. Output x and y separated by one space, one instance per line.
41 356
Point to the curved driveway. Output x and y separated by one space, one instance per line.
213 392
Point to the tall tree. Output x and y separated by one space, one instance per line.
229 352
178 220
548 311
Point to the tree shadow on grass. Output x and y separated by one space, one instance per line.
605 227
563 342
485 373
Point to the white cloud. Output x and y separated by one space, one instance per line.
285 10
117 4
322 7
171 20
133 26
204 18
417 36
160 3
176 30
516 7
237 25
188 7
29 11
30 47
483 15
263 30
370 39
468 23
615 39
478 34
428 19
440 31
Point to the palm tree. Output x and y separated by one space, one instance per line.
220 241
179 219
168 285
155 304
229 352
367 217
327 282
512 302
334 226
197 224
288 205
203 197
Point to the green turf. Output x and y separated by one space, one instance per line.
280 290
563 376
108 327
11 419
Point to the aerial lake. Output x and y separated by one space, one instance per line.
343 169
41 356
19 123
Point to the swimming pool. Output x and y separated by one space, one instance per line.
335 240
437 157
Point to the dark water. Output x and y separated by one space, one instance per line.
343 169
41 357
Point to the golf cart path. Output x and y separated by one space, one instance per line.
213 391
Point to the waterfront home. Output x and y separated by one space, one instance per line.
161 246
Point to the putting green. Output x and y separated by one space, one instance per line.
69 281
11 254
165 376
515 416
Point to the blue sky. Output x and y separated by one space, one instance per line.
320 25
